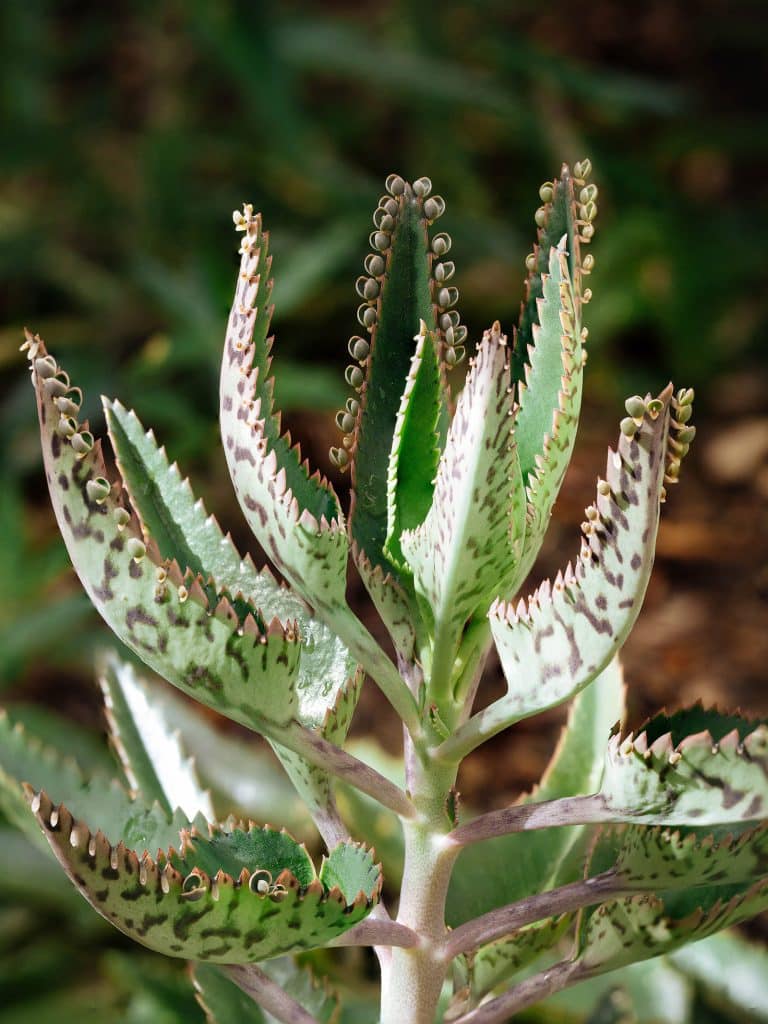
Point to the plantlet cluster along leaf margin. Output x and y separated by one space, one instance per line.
451 498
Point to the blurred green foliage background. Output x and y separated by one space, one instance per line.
130 131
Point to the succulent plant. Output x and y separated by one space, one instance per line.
632 845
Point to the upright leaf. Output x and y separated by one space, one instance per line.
567 632
295 516
471 540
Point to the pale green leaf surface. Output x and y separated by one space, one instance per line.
216 917
471 540
183 530
149 747
295 516
239 669
555 644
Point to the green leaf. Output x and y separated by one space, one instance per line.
656 859
391 600
415 452
243 669
470 542
639 927
266 850
183 530
149 747
350 868
696 767
403 292
213 915
731 971
295 516
482 879
25 759
555 644
224 1002
556 219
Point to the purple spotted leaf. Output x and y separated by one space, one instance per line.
557 642
234 897
471 539
245 669
294 514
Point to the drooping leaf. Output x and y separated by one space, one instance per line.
173 905
471 540
25 759
247 670
555 644
155 764
294 515
482 878
696 768
244 777
415 452
224 1002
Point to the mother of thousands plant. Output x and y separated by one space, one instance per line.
632 845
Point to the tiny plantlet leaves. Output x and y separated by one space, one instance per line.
622 853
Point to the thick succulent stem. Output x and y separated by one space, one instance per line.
412 982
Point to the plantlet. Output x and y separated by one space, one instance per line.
633 844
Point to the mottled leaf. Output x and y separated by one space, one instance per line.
294 515
548 356
470 542
150 749
392 601
638 927
499 961
224 1002
183 530
656 858
175 906
244 669
555 644
697 767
